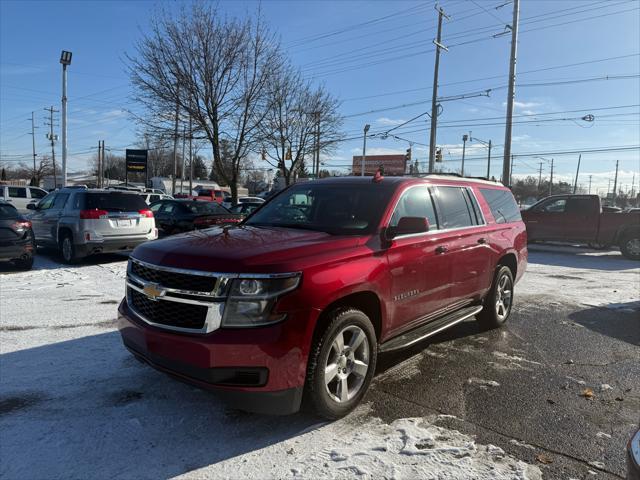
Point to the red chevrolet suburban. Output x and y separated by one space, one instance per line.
298 300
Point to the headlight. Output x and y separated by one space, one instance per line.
251 300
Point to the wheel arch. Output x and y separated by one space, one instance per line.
367 301
509 260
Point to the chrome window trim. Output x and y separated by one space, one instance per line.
443 230
475 197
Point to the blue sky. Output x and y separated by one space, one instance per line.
377 57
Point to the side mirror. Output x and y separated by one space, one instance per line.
31 206
407 226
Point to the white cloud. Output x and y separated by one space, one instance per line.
390 121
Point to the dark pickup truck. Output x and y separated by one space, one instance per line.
580 219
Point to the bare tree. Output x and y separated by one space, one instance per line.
215 70
296 113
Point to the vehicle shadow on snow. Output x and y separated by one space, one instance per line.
86 407
624 326
573 257
49 259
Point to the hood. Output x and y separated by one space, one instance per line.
245 249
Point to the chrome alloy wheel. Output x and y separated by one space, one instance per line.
504 295
347 364
633 246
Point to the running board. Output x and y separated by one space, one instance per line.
435 326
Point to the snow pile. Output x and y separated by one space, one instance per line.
407 448
583 277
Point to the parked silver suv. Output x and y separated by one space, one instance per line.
81 222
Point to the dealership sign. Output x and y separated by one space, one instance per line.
136 160
393 164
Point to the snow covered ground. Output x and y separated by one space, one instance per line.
75 404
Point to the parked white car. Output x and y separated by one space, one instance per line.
241 200
20 196
149 198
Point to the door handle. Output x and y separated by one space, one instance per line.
441 249
482 241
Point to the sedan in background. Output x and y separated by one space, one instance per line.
182 215
17 242
245 209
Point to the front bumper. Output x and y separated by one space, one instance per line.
260 370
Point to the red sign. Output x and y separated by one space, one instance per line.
393 164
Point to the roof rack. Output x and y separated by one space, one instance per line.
450 174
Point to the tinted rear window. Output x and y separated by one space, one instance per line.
112 201
502 204
8 211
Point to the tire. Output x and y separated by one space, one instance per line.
630 245
24 263
349 379
68 249
499 300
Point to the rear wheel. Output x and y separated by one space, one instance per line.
630 246
498 303
342 364
67 249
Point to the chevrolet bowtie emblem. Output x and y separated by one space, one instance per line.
153 291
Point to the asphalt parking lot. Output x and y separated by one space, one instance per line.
557 389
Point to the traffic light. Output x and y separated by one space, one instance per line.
407 156
264 153
438 155
288 155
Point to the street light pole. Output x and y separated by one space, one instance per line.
434 93
364 148
464 148
65 60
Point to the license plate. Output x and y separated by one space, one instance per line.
124 222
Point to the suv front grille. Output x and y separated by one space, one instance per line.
169 313
180 281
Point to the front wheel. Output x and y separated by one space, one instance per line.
342 364
630 246
24 263
498 303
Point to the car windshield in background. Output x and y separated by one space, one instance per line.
206 208
8 211
113 202
349 209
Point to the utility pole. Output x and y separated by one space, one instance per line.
575 184
464 148
184 142
364 149
506 174
510 171
489 162
65 60
190 156
317 153
99 168
539 178
590 184
52 138
33 142
615 183
175 143
434 96
551 181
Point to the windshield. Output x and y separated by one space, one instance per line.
206 208
346 209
